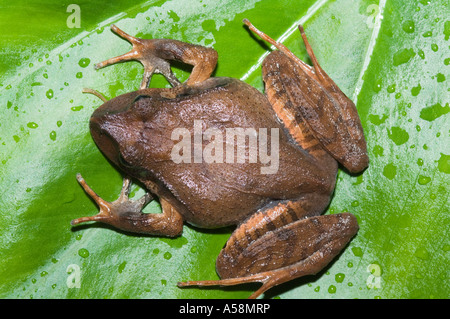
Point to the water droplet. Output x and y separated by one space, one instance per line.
44 273
404 221
339 277
434 47
431 113
76 108
421 54
377 85
447 29
173 16
408 26
416 90
420 162
391 88
427 34
167 255
155 251
78 237
378 150
59 123
422 253
54 260
49 94
84 62
28 190
403 56
440 77
209 25
122 267
423 180
398 135
389 171
32 125
332 289
317 289
163 282
357 251
79 75
376 119
16 138
83 252
350 264
52 135
355 203
53 286
176 242
444 164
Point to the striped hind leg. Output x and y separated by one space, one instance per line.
282 243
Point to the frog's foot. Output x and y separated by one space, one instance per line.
301 248
155 53
280 46
143 51
127 215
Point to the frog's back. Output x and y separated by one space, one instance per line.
214 190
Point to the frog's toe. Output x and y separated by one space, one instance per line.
112 212
143 51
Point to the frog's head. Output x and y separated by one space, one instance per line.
115 128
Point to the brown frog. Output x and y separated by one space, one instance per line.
280 232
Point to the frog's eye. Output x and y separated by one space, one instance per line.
123 161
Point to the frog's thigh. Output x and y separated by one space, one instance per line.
267 220
280 80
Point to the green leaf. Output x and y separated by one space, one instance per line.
389 56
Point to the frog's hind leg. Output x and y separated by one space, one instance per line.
155 53
312 107
127 215
278 244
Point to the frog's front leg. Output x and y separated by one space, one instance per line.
155 53
127 215
279 244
